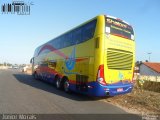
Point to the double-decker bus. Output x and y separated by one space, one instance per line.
96 58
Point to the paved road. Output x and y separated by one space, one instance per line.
20 93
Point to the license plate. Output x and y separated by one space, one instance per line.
119 89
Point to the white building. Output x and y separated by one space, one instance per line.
149 69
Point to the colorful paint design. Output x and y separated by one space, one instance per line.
71 61
120 76
51 48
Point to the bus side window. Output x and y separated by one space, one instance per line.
53 42
61 42
77 35
88 30
52 64
44 63
68 40
57 43
71 41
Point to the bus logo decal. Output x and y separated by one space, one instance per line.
120 76
71 61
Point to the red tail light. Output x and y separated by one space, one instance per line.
100 75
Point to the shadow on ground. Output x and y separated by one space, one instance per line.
29 80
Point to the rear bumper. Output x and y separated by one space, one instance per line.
95 89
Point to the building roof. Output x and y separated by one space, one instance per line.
153 66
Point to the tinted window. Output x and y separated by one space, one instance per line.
44 64
56 43
77 35
88 30
61 41
68 40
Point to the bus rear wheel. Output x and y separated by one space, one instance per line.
66 86
58 83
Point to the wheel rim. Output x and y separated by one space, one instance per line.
66 86
58 83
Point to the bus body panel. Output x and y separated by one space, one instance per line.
121 50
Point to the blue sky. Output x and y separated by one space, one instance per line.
21 34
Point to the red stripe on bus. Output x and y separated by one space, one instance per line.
80 59
51 48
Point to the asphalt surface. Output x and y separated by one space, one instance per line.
21 94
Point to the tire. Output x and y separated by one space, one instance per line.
58 83
35 76
66 86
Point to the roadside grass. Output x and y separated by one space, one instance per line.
152 86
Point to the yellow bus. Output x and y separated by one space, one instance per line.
96 58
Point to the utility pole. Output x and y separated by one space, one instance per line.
149 55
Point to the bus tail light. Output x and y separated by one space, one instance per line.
100 75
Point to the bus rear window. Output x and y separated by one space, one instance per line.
119 28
